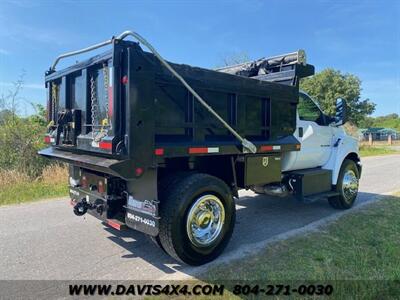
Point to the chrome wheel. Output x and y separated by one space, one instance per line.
349 185
205 220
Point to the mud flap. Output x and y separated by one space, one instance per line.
142 215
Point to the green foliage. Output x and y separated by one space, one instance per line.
329 84
359 254
388 121
40 117
31 191
375 151
20 139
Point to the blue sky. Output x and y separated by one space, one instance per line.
359 37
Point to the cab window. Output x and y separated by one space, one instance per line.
309 111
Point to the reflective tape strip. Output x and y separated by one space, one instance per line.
266 148
270 148
213 150
110 91
114 225
110 76
200 150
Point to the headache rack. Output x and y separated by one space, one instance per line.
285 69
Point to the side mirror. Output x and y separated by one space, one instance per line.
341 112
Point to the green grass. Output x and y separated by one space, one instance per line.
373 151
31 191
359 254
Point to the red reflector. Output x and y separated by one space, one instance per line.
105 145
47 139
84 182
159 151
100 187
198 150
266 148
138 171
114 225
124 80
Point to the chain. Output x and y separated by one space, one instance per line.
54 94
93 104
106 78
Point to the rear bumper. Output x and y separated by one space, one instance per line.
116 213
110 166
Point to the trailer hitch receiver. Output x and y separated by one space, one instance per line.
81 208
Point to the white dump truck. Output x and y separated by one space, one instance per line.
163 148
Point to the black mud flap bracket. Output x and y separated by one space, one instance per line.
142 215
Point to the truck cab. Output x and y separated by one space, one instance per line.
319 136
325 145
164 148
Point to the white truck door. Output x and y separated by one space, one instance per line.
314 134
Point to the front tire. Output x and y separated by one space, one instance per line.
347 186
197 218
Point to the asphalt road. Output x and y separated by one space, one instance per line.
45 240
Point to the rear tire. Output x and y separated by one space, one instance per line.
197 218
156 241
162 189
347 186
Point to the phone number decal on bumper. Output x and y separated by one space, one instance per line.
140 219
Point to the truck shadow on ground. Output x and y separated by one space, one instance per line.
259 218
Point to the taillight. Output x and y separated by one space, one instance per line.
100 187
139 171
105 145
159 151
84 182
47 139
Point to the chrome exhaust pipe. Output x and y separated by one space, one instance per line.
276 190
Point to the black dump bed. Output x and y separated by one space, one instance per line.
125 105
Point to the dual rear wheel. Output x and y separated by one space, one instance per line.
197 217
